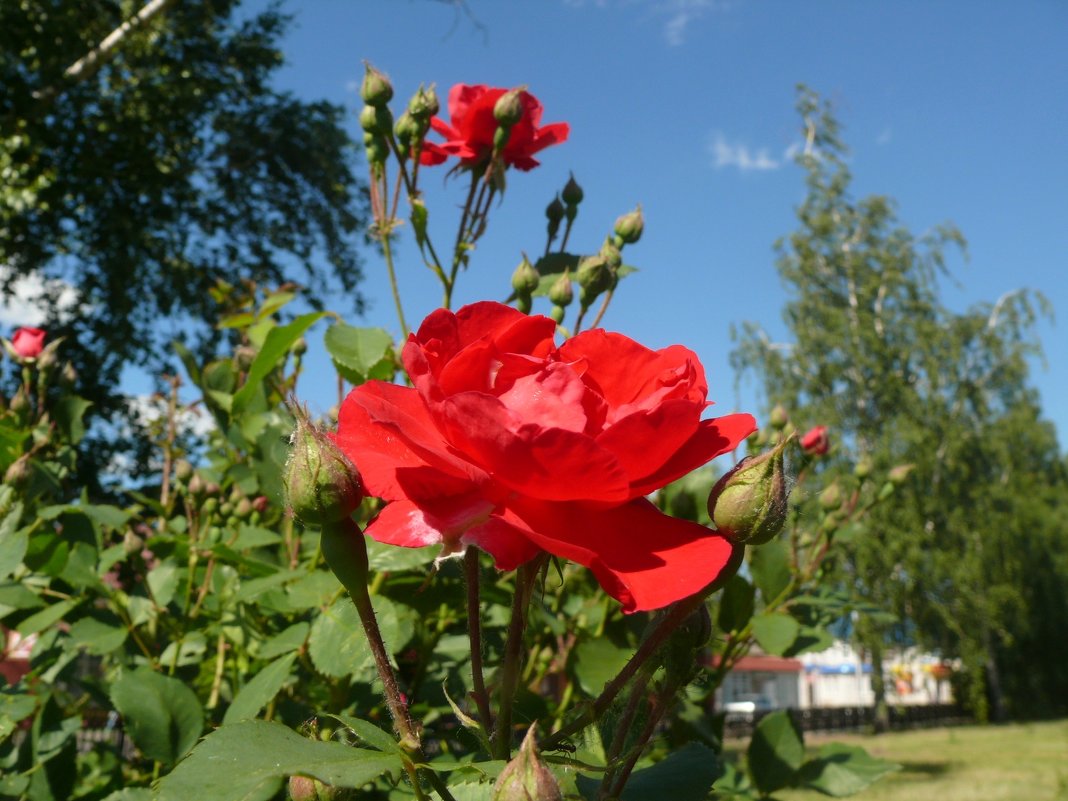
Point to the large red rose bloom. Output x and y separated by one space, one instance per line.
517 446
469 134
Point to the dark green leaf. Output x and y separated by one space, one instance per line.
597 662
249 761
13 540
770 566
775 752
685 775
162 715
289 640
369 733
842 770
810 639
337 644
736 604
259 692
360 353
68 413
275 347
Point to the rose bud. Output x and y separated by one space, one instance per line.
376 89
561 292
778 417
593 277
831 498
322 486
28 342
554 212
300 347
572 193
526 778
816 442
748 504
18 472
863 468
376 119
259 503
68 377
508 110
406 130
424 103
243 509
196 485
613 258
525 279
629 227
897 475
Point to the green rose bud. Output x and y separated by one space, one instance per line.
526 778
561 292
376 119
69 376
557 314
748 505
508 110
831 498
611 254
899 474
593 277
424 103
18 472
525 279
322 486
376 89
572 193
183 471
629 227
554 212
778 417
863 468
406 130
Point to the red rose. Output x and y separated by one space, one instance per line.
28 342
816 441
515 445
470 136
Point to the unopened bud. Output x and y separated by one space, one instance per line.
508 110
300 347
554 212
778 417
561 292
611 254
244 355
132 543
557 314
593 278
572 193
321 484
863 468
183 471
69 376
303 788
49 356
816 442
899 474
526 778
196 485
831 498
243 509
424 103
20 403
525 279
376 119
748 505
629 227
406 130
376 89
18 472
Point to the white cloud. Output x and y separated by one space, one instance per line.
681 13
737 154
23 304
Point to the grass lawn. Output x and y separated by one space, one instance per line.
1018 762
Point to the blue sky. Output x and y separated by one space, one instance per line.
958 110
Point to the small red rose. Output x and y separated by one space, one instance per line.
517 446
472 125
816 442
28 342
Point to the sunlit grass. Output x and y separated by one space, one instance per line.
1018 762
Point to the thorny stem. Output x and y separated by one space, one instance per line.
513 648
637 695
474 630
660 705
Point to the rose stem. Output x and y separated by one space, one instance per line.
660 705
513 648
637 695
474 631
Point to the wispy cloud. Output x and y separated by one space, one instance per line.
680 15
741 156
24 303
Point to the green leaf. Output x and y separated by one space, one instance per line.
13 540
289 640
736 604
260 691
360 353
255 537
45 618
131 794
685 775
369 733
190 650
775 752
337 644
597 662
770 566
96 637
163 582
189 361
277 344
810 639
390 558
249 762
775 632
162 715
14 707
68 413
842 770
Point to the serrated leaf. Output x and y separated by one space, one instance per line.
369 733
289 640
276 345
96 637
45 618
249 761
842 770
775 632
359 353
260 691
162 715
775 752
13 541
337 644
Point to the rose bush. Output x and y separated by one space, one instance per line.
469 134
517 446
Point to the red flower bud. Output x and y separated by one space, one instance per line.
816 442
748 505
28 342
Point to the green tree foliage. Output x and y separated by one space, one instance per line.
143 176
970 552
